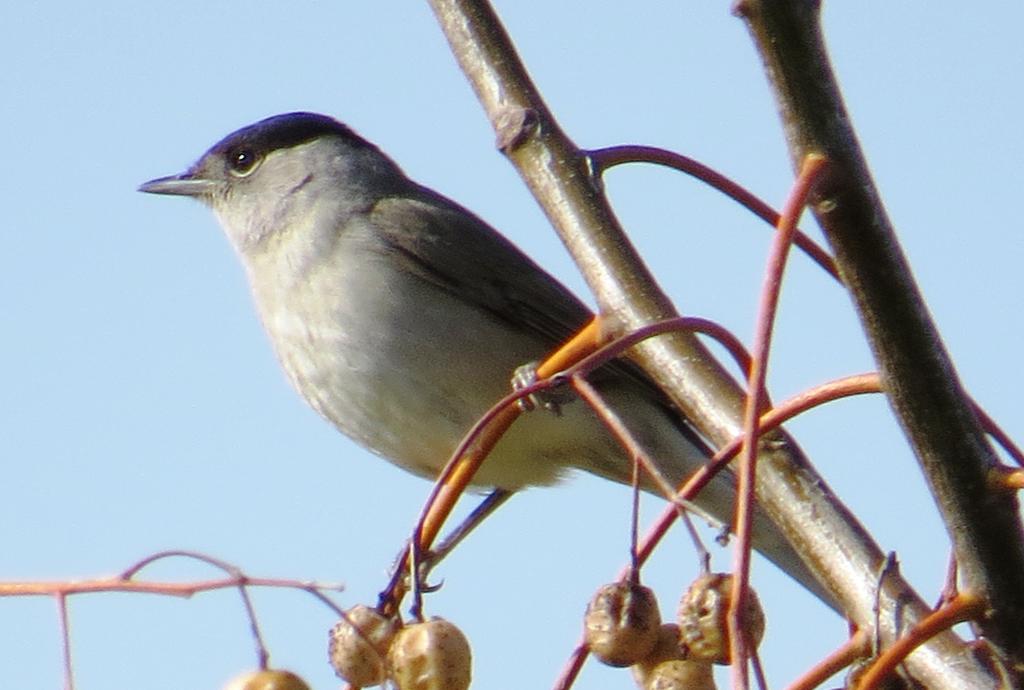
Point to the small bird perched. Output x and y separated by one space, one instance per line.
401 317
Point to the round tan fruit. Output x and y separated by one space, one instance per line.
432 655
621 623
359 646
266 680
703 613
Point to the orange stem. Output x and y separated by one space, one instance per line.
962 607
857 646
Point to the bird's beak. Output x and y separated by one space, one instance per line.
185 184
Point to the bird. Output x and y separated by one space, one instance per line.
401 317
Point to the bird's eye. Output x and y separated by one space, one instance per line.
241 162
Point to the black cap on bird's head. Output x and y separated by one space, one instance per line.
241 151
282 131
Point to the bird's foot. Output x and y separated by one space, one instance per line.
550 399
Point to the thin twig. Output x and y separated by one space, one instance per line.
857 646
262 652
604 159
173 589
812 170
65 640
963 607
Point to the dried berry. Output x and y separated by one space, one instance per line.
621 623
267 680
667 668
681 674
703 618
433 655
359 646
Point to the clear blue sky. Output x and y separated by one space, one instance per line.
141 407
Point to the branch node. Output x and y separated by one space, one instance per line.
514 125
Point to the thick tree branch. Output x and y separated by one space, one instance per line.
918 375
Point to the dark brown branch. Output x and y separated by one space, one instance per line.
920 380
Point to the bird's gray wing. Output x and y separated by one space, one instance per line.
454 250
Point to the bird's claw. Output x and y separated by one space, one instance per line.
550 399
